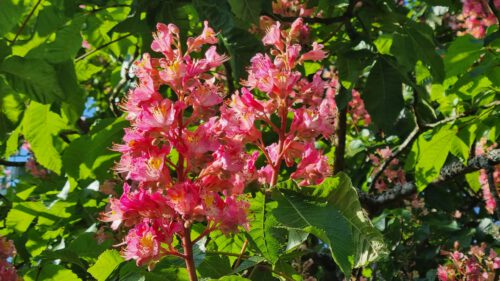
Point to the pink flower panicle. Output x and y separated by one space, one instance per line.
288 8
180 169
488 197
276 90
476 265
32 166
393 174
7 251
475 18
357 110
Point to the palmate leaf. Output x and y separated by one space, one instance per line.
51 272
333 213
262 229
34 77
383 94
431 154
105 264
367 240
40 128
294 211
90 156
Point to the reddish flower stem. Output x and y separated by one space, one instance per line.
281 134
187 245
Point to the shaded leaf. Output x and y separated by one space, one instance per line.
383 94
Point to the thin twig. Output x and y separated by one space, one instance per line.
338 19
406 143
12 163
102 47
243 249
229 78
23 25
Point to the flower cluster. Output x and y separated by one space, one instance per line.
7 251
357 109
32 166
476 17
293 8
477 265
179 166
393 174
303 109
488 197
287 8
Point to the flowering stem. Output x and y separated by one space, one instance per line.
281 142
187 244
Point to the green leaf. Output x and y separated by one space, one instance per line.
20 217
351 65
262 229
12 143
10 14
214 266
473 181
240 44
424 47
295 238
87 247
246 10
318 218
51 272
105 265
40 128
383 94
461 54
432 154
33 77
367 240
64 46
311 67
232 278
90 156
384 43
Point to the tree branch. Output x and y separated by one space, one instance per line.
102 47
451 171
406 143
338 19
12 163
23 25
417 131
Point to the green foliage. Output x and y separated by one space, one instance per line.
105 265
65 66
383 97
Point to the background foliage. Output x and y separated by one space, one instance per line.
432 96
